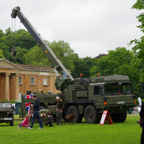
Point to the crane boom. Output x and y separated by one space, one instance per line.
54 61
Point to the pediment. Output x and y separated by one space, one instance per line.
7 64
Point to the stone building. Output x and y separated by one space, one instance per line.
18 79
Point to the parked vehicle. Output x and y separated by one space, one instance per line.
6 113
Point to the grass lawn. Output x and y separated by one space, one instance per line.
80 133
17 117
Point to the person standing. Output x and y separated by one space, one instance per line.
36 113
59 110
142 119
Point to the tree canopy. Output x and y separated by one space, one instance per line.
83 66
138 48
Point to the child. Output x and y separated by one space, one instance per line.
25 122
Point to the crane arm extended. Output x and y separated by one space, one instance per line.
54 61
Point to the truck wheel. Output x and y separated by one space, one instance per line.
123 117
11 122
119 117
51 121
73 109
90 114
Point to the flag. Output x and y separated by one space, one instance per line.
27 105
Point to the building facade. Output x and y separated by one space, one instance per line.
20 79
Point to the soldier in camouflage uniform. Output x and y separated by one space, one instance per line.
59 110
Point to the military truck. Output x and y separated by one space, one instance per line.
85 97
6 113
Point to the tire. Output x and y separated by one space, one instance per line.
42 107
54 116
51 121
119 117
90 114
74 109
12 122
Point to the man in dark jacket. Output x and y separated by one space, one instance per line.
35 113
142 117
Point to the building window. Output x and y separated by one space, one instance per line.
32 81
45 81
20 80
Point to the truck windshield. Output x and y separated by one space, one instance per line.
118 88
5 104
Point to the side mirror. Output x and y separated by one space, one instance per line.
101 87
101 90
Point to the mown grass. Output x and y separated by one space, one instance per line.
17 117
80 133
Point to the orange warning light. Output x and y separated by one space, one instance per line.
81 75
105 103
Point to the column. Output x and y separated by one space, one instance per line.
17 86
7 86
26 83
51 84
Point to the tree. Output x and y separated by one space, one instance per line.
83 66
35 56
1 54
63 51
139 5
20 39
20 55
138 49
4 45
6 51
24 39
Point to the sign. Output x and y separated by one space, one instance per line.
105 116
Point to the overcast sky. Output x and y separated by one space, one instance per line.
91 27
